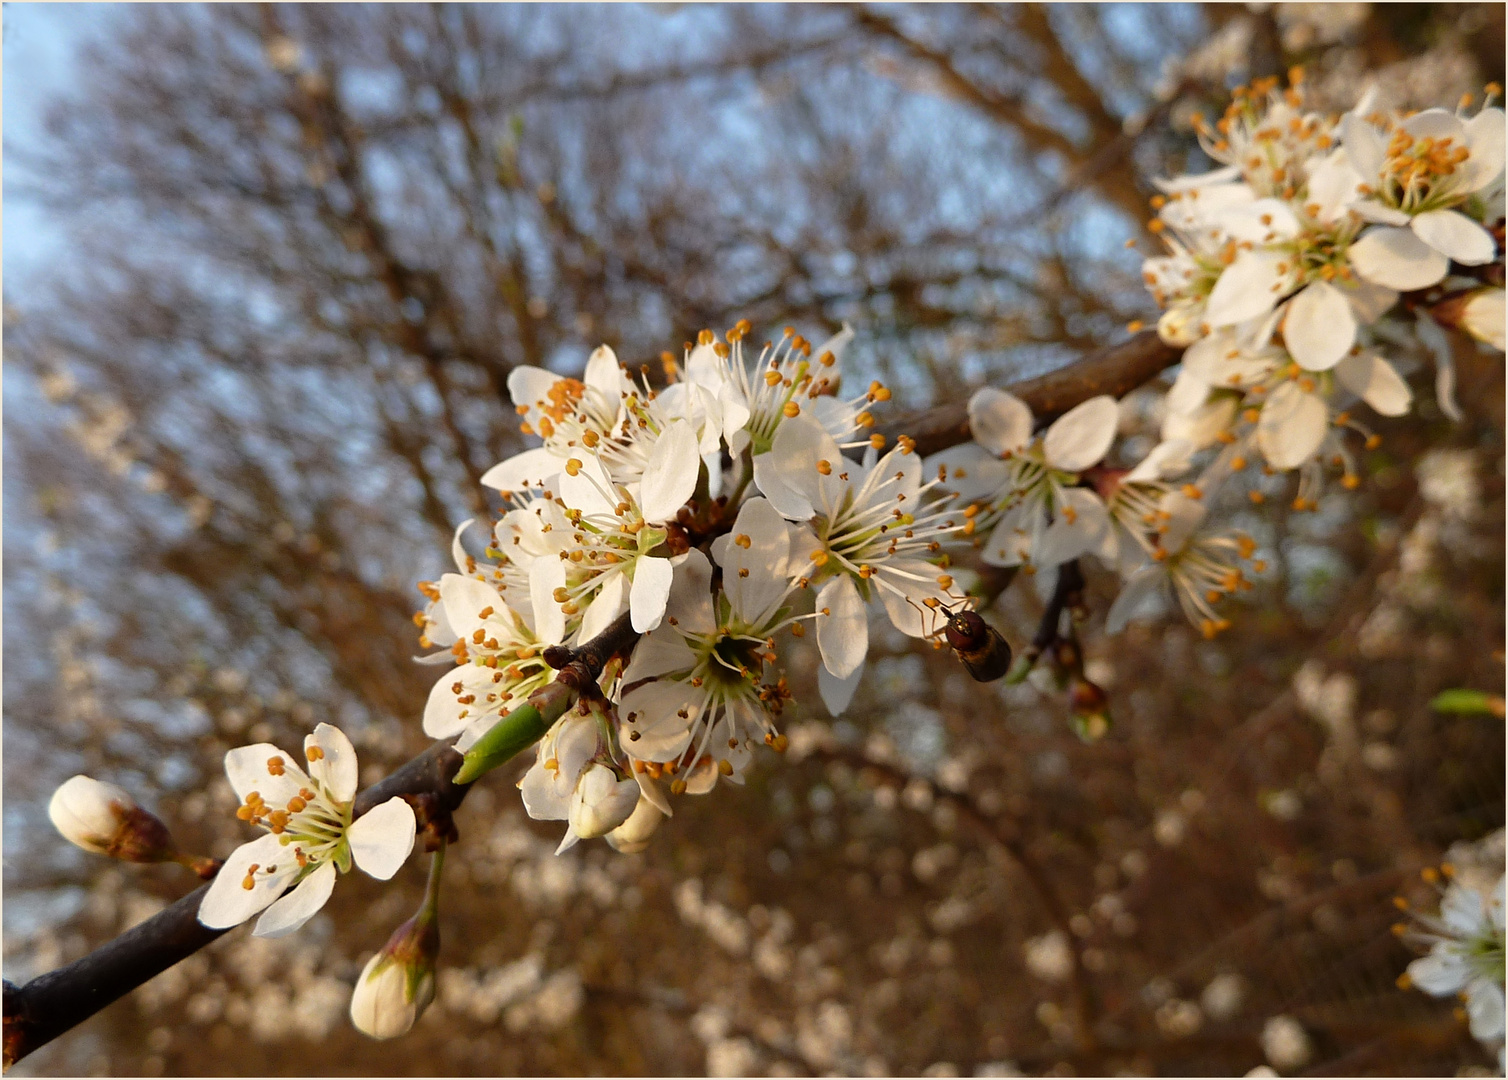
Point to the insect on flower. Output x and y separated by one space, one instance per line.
981 649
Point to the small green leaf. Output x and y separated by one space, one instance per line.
1470 702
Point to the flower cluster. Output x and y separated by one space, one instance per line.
718 513
1281 267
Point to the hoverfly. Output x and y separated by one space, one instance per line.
981 649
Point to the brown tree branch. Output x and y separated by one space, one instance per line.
51 1004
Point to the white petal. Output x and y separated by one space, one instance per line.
606 606
1365 146
800 444
1248 288
300 905
1072 534
528 385
1376 382
604 375
465 598
835 344
1484 135
1319 328
1397 258
1291 427
336 766
457 551
1369 301
1010 542
837 693
655 708
530 469
1380 213
442 710
1441 972
542 799
905 586
246 769
690 598
1436 124
227 903
545 576
1456 236
1166 460
1000 422
1143 596
842 626
659 653
651 590
382 838
1332 186
653 793
771 482
1203 426
971 470
1259 222
754 570
1082 436
670 476
591 490
1484 1004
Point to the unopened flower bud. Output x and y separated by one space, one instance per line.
1091 709
397 984
1482 317
634 834
601 802
104 819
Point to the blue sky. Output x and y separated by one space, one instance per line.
40 48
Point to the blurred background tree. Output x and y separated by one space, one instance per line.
252 397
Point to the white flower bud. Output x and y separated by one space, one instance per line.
391 994
104 819
633 835
601 802
1482 317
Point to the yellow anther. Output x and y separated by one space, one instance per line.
573 466
791 409
825 467
314 754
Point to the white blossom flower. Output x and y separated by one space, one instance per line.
869 537
1466 955
1418 172
1197 569
646 446
694 690
783 383
500 662
1040 515
310 835
389 997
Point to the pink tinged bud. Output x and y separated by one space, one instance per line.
397 984
601 802
634 834
106 820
